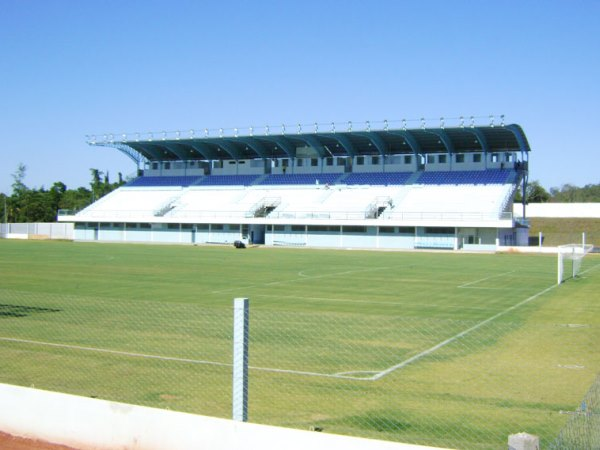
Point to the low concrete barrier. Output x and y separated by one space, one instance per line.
87 423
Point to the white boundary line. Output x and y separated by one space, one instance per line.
113 352
300 278
184 360
367 302
589 269
418 356
466 285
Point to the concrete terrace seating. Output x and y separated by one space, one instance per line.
488 176
128 202
164 181
378 178
299 179
462 202
338 202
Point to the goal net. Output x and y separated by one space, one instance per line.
569 260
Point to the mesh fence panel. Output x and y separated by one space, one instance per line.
448 383
582 430
168 355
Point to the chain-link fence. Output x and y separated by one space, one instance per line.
448 383
582 430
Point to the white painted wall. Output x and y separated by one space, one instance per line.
560 210
87 423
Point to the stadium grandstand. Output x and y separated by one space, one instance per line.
397 188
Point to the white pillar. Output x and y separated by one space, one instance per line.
523 441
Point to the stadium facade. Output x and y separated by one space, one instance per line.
404 188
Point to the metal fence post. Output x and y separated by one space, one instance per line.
241 313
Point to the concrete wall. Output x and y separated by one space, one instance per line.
564 210
87 423
40 230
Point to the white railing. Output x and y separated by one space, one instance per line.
459 216
313 215
291 129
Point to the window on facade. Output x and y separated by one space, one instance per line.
430 159
299 228
201 226
278 227
387 230
341 161
354 229
216 226
285 162
375 160
314 162
173 226
299 162
477 157
460 158
406 230
508 157
439 230
442 159
360 160
407 159
145 226
324 228
329 161
495 157
167 166
154 166
186 226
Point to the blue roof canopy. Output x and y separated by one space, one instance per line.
509 138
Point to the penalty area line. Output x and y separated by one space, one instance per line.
176 359
430 350
113 352
466 285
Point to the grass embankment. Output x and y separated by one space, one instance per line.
565 231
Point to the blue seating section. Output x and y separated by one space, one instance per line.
228 180
296 179
164 181
378 178
489 176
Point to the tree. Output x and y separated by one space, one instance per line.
18 180
569 193
4 207
17 199
75 199
535 193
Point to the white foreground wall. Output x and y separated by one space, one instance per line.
564 210
87 423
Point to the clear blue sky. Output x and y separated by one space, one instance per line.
69 68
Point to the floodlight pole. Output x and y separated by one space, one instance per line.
241 322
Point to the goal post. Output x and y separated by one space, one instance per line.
573 253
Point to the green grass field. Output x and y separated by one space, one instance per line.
440 348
